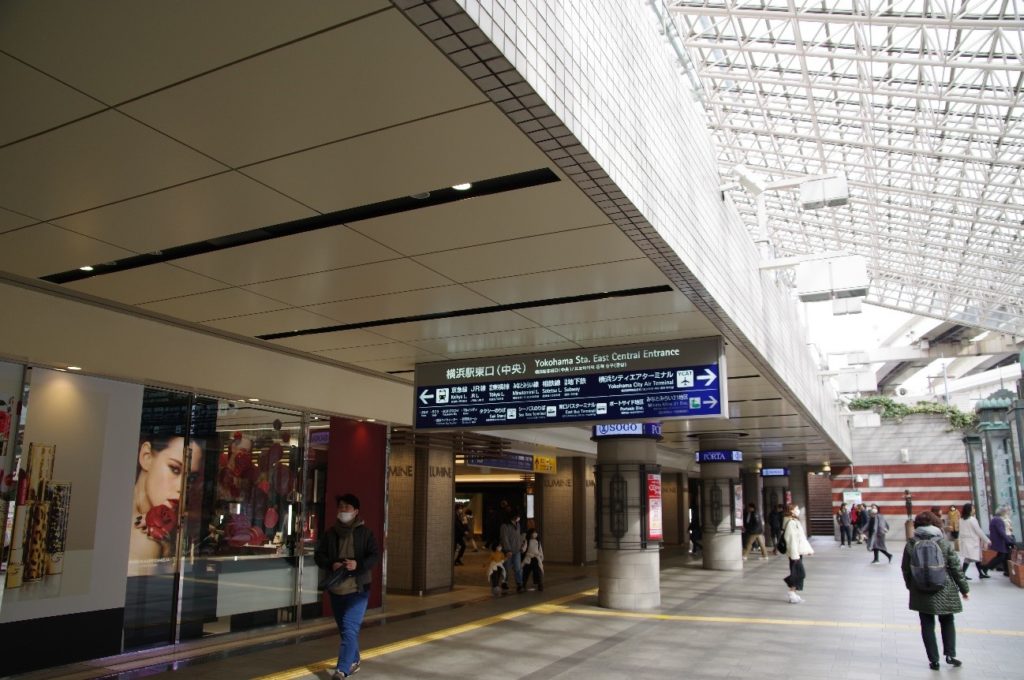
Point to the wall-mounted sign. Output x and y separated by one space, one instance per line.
775 472
507 461
678 379
852 497
545 464
719 456
654 523
648 430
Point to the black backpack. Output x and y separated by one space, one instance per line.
780 542
928 566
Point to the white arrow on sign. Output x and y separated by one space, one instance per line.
426 396
708 377
711 401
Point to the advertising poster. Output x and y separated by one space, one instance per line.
655 531
737 504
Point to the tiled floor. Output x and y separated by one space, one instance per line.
853 625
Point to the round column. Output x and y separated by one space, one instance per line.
720 458
628 507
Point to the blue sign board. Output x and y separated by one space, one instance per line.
719 456
649 430
657 381
508 461
775 472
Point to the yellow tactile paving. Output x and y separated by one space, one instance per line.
557 606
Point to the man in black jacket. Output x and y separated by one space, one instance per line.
753 527
348 552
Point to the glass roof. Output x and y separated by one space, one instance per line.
917 101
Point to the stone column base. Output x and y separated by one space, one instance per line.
629 579
723 552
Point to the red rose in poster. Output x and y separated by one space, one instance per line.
270 518
284 480
161 520
242 463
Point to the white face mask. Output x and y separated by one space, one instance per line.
346 517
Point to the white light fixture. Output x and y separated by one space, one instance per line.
253 400
371 420
465 186
74 368
826 467
86 268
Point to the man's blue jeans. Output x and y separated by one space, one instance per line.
348 614
514 565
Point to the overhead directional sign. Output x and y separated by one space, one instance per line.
656 381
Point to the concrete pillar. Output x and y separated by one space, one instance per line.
628 561
723 547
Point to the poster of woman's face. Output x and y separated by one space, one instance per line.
167 464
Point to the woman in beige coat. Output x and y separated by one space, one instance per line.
972 540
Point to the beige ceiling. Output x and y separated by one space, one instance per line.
129 130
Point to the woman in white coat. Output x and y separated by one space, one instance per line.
797 546
972 540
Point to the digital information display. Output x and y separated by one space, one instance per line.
775 472
657 381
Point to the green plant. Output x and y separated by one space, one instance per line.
887 408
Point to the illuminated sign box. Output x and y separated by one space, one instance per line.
775 472
719 456
649 430
649 381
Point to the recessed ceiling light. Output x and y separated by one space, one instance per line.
74 368
86 268
371 420
462 187
423 195
254 400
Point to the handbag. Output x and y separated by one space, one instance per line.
334 579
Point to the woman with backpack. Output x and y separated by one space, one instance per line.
936 591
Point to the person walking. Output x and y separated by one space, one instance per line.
845 523
512 546
972 541
775 526
471 534
348 552
753 527
1001 540
459 529
878 528
797 546
863 517
943 603
533 559
953 518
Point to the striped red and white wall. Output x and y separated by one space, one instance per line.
930 484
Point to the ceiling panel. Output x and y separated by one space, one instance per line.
390 350
637 329
270 322
10 220
315 251
197 211
333 340
42 102
397 305
751 388
146 284
98 160
86 44
575 281
235 114
217 304
352 282
496 218
451 327
462 146
652 304
576 248
508 342
44 249
401 367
